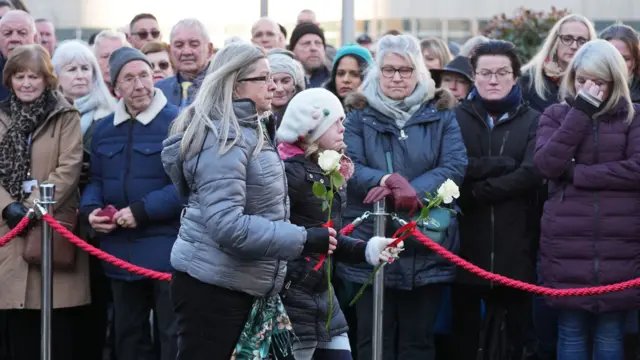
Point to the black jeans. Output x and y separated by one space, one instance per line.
21 331
409 317
467 317
210 318
91 331
133 302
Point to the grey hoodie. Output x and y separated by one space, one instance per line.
235 231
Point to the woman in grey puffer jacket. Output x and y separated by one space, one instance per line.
235 238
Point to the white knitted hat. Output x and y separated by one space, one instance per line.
309 114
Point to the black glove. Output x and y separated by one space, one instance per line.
583 104
14 212
317 241
567 175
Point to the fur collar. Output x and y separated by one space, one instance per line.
157 104
443 99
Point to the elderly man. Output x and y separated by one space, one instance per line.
308 44
47 33
266 33
105 43
144 29
16 28
127 174
191 50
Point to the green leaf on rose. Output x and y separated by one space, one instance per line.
325 206
319 190
330 196
337 179
424 213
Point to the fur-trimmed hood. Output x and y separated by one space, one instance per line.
443 99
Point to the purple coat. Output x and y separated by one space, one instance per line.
590 231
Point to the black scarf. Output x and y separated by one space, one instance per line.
15 154
507 104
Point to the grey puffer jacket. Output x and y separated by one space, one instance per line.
235 231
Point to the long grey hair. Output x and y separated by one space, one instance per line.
212 108
76 50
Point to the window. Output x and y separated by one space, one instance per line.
428 27
458 29
601 24
391 24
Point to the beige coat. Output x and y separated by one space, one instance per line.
56 157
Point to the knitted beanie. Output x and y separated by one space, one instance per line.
283 63
353 49
302 30
309 115
121 57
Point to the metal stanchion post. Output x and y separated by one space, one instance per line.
380 225
47 196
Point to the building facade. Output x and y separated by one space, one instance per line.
453 20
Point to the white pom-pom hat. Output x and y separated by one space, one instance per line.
309 115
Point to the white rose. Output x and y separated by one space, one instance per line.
448 191
329 161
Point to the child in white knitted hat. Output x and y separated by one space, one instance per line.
311 124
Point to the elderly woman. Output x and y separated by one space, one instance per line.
496 232
235 236
40 142
587 148
349 66
405 142
288 76
160 57
80 81
627 41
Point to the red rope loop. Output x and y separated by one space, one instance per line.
16 231
520 285
92 250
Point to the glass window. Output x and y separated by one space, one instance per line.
428 27
458 29
601 24
392 24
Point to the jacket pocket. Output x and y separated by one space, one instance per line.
110 158
146 162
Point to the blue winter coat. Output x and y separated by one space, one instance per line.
126 170
427 152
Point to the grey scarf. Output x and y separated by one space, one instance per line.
398 110
87 106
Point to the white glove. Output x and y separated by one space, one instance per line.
378 252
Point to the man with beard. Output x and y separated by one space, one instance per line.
308 44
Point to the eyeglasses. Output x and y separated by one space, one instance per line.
500 74
389 72
163 65
264 79
569 40
144 34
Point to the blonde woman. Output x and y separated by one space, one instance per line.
435 52
235 236
542 75
587 148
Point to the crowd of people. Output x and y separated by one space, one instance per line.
203 162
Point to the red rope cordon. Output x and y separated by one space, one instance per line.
410 228
92 250
22 225
516 284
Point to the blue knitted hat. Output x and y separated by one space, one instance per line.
353 50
